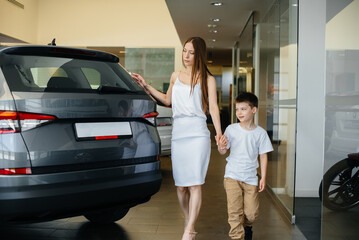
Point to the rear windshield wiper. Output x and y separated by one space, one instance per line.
109 89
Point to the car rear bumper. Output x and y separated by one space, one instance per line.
51 196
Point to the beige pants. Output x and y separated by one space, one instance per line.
242 204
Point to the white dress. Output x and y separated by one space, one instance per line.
191 144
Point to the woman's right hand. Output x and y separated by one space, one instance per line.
139 80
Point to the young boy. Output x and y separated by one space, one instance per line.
246 141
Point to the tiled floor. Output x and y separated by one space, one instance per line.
161 218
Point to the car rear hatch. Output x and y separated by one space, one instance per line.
78 109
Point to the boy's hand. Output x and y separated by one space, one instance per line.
223 142
262 185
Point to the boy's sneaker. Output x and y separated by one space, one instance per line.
248 233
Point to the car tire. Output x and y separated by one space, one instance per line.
106 216
340 176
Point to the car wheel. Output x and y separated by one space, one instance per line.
340 185
106 216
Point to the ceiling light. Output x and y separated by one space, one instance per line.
213 40
215 19
295 4
212 25
217 4
213 31
210 62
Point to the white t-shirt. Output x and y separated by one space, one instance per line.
245 145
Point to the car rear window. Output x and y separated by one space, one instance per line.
39 74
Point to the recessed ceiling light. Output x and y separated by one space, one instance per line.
213 40
210 61
295 4
213 31
215 19
217 4
212 25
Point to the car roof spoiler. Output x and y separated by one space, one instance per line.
62 52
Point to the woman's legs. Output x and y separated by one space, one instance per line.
195 203
183 198
190 199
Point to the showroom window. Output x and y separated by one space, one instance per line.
154 64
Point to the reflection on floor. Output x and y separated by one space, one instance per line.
308 217
161 218
340 224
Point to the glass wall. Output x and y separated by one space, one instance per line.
155 64
341 176
277 93
243 64
246 78
233 87
243 71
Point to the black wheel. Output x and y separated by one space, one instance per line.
106 216
340 185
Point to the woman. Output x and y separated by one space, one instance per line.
192 93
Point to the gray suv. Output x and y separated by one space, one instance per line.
77 136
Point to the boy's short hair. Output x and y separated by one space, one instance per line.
249 98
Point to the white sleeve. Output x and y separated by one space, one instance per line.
265 144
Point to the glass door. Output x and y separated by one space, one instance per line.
277 91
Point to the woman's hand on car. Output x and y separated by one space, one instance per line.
139 80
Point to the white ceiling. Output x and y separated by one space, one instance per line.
192 17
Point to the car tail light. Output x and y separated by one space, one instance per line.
12 122
8 122
151 117
15 171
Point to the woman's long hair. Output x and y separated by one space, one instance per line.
200 67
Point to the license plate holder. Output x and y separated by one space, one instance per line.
102 130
